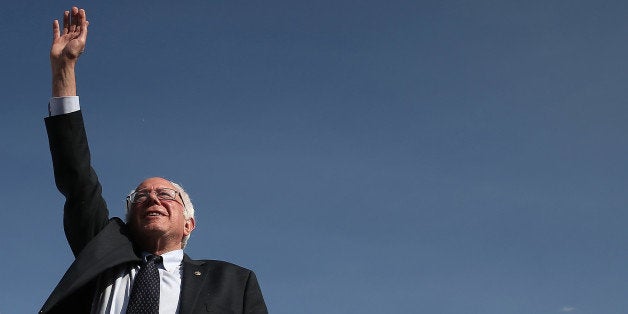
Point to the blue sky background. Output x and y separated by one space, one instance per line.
360 156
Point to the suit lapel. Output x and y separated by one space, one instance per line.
194 275
109 248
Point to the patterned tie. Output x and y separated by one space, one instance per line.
145 291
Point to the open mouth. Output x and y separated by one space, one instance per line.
154 214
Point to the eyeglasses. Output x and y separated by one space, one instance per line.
164 194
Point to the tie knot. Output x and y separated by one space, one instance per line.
155 259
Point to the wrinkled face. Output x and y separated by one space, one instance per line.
157 219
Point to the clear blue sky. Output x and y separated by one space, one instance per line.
361 156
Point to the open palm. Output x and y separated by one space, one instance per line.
69 43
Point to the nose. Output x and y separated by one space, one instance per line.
152 197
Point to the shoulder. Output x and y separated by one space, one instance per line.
227 287
218 271
215 265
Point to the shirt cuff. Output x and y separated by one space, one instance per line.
62 105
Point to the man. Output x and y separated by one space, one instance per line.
133 267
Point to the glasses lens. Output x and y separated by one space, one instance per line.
162 194
166 194
138 197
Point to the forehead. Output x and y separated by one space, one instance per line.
153 183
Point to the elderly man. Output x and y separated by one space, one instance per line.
133 267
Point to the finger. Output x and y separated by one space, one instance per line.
80 17
55 29
75 16
66 22
80 21
83 35
73 19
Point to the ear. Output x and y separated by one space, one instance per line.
188 226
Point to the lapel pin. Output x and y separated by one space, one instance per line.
197 273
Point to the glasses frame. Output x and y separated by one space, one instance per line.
131 196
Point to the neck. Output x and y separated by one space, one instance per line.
157 246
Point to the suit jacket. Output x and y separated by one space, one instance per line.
100 243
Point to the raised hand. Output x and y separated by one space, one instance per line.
67 46
69 43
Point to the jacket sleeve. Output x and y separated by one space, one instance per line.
85 211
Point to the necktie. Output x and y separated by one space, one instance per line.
145 291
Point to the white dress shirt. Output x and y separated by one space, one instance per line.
117 282
62 105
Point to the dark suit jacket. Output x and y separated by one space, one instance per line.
99 243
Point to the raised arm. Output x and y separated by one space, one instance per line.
85 211
67 45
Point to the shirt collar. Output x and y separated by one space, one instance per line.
171 260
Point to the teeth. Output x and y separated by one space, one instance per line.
153 214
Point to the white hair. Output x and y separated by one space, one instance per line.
188 208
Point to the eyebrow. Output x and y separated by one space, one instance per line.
158 188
